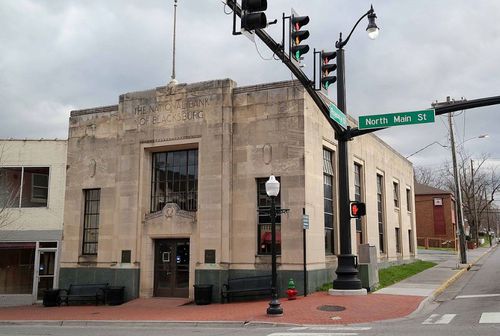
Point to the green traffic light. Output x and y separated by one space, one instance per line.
327 84
297 55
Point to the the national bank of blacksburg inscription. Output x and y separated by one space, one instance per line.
173 111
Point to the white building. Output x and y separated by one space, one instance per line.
32 182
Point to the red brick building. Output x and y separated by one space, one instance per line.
435 216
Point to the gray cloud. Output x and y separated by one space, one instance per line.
63 55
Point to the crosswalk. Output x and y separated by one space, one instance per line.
433 319
322 331
486 317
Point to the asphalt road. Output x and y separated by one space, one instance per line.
471 306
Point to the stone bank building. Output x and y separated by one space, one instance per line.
163 189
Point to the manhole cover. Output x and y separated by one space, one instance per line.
331 308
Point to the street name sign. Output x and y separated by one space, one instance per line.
337 115
396 119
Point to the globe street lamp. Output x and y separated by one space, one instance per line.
272 190
347 272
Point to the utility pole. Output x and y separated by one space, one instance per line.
459 209
487 215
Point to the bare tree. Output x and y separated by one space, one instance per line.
428 176
475 179
9 199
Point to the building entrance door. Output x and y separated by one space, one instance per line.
171 268
46 271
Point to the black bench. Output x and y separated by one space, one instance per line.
246 286
84 293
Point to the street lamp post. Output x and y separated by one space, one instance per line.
272 190
347 272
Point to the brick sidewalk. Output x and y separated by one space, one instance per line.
304 310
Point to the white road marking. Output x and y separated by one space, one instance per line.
430 319
476 296
490 318
434 319
331 328
313 334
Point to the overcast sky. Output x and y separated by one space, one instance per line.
57 56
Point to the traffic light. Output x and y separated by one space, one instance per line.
297 36
327 68
358 209
253 16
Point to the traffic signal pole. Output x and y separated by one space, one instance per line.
347 272
347 263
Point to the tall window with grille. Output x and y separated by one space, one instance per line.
380 211
264 225
398 240
328 199
395 189
91 221
175 179
408 199
358 198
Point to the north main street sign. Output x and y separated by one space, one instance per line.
396 119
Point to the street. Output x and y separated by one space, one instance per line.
471 306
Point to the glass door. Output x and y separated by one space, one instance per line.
171 268
46 271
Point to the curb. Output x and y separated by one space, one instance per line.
448 283
457 275
143 323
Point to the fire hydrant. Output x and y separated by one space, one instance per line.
291 291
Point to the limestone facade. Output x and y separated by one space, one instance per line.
242 134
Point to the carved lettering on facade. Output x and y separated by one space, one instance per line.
168 112
171 139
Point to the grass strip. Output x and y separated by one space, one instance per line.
393 274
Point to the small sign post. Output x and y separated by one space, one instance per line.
305 226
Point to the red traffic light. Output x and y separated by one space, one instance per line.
358 209
354 210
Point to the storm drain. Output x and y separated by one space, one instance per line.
331 308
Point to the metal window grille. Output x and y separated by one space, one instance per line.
264 221
357 194
91 221
328 200
175 180
395 187
408 199
380 210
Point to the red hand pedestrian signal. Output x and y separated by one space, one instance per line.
358 209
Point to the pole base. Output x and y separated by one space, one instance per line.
345 292
274 308
347 273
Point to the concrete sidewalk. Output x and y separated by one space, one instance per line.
396 301
432 281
